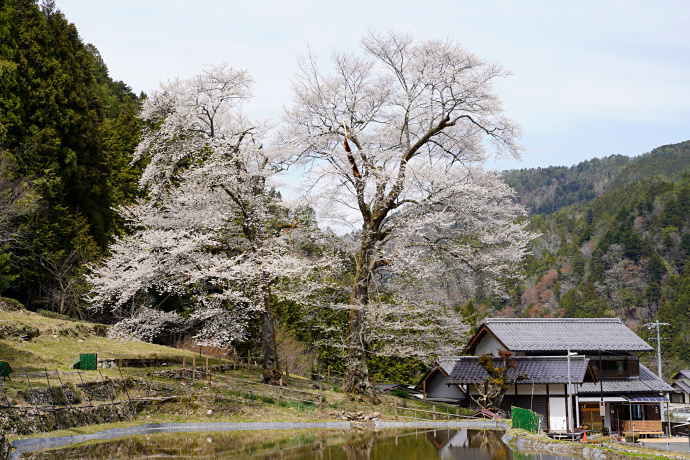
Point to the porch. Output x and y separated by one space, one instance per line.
624 414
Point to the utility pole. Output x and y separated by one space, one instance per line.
657 325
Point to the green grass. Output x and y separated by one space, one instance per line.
60 342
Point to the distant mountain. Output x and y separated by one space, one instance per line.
614 241
546 190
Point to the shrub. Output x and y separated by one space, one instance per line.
401 394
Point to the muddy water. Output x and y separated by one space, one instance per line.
393 444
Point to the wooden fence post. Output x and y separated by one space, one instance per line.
328 378
433 416
193 367
395 407
234 359
287 369
424 390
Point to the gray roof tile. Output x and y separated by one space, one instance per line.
560 334
682 385
447 363
646 383
538 369
682 373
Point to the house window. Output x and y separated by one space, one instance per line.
636 412
612 369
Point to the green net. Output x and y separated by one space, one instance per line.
525 419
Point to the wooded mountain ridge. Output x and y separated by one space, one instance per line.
546 190
615 241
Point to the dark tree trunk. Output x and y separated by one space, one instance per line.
271 367
357 378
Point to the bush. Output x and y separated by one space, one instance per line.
401 394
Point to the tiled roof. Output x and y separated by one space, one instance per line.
682 373
447 363
648 382
560 334
537 369
682 385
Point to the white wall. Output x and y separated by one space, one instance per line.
557 414
488 344
527 389
436 388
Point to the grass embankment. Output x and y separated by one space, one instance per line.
233 395
612 450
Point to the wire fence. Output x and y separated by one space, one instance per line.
51 391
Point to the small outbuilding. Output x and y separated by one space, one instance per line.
433 386
681 383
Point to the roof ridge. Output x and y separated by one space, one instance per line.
553 320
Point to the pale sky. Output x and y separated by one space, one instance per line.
590 78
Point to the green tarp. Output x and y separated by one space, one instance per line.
86 361
5 369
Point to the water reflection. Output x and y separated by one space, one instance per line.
420 444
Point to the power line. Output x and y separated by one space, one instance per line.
657 325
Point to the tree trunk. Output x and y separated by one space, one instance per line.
271 373
357 378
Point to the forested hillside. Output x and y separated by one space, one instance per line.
625 253
546 190
614 231
67 131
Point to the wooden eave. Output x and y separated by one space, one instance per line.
477 337
590 375
432 371
428 374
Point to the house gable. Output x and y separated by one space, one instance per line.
484 342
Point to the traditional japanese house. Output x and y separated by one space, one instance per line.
611 389
432 386
681 383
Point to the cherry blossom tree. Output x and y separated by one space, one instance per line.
395 140
212 228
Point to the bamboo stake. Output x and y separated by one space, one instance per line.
191 385
112 400
33 398
83 385
50 389
151 381
63 390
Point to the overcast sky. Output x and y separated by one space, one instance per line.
591 78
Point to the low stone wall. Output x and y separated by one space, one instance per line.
26 420
4 447
526 442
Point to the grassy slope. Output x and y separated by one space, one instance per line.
61 341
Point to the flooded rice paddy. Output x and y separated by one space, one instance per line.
318 444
